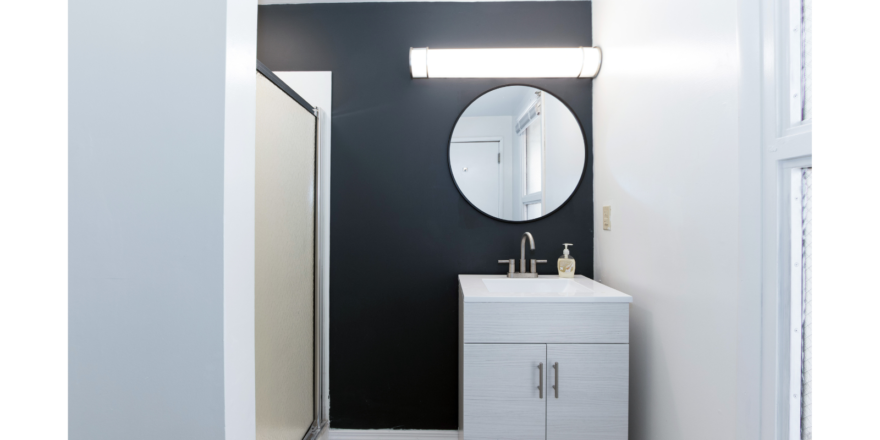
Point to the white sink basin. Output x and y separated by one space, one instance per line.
545 288
533 285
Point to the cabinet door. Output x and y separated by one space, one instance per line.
592 394
501 399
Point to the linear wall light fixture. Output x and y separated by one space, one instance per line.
573 62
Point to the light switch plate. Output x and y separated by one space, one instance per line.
606 218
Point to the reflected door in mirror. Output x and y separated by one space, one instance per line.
476 168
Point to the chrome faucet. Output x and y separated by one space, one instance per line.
511 271
522 250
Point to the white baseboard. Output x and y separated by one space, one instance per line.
395 434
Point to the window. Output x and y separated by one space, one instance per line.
533 196
808 60
807 314
800 57
533 210
801 334
534 158
785 60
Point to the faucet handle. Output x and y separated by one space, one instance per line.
511 265
535 265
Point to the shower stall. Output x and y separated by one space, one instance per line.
287 273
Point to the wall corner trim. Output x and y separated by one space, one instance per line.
396 434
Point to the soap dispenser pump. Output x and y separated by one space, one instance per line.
565 264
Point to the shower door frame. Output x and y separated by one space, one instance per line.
320 419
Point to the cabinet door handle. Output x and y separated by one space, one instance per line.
541 380
556 381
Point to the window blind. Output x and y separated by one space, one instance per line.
807 306
808 58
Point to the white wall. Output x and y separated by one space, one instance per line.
470 127
161 196
666 153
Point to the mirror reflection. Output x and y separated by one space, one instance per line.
517 153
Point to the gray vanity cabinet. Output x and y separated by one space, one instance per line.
510 391
501 391
592 399
536 370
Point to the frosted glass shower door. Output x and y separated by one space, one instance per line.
285 265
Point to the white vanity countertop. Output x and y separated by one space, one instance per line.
545 288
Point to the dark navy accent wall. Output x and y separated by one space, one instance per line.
400 230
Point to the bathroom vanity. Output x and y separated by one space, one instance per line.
542 358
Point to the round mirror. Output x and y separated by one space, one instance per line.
517 153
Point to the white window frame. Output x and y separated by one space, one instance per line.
795 306
526 209
786 373
538 196
786 146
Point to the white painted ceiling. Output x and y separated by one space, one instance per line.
288 2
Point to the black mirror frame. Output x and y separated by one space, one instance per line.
576 188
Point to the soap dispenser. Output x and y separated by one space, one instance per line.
565 264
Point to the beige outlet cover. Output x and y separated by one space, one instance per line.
606 218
